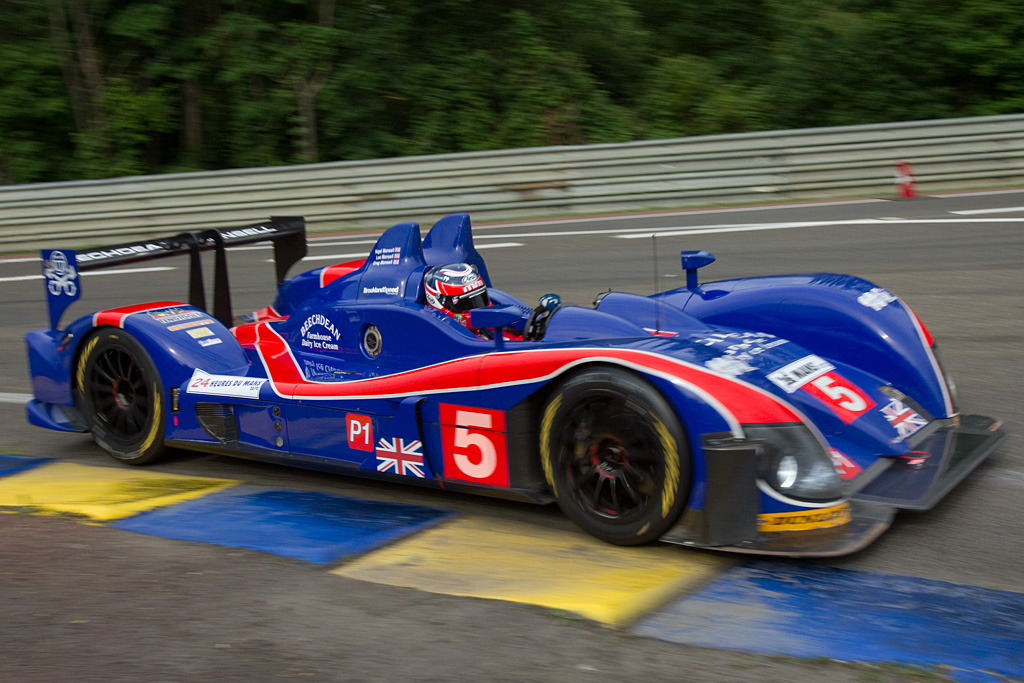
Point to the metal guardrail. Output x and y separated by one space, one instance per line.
764 166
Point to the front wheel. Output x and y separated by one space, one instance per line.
614 453
119 395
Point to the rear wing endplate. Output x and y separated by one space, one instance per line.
61 267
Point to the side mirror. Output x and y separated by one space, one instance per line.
693 260
494 316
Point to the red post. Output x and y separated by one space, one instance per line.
905 180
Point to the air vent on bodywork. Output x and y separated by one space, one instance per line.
218 419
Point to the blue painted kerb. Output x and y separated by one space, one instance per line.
851 615
310 526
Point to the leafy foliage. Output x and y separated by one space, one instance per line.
95 88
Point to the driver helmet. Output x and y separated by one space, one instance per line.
456 289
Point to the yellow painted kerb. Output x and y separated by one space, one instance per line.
519 562
100 493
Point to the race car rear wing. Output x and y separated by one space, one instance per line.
62 266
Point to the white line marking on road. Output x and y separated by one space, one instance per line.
122 271
978 194
499 245
972 212
638 216
705 230
6 397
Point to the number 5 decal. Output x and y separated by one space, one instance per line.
473 441
846 400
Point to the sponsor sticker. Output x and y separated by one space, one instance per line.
120 251
744 346
200 333
727 365
847 468
319 334
168 316
798 373
391 291
876 298
224 385
473 444
60 275
804 520
360 432
185 326
210 342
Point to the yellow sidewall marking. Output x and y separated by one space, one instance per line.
100 493
156 421
545 441
671 451
563 570
83 359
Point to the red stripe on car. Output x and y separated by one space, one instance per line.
116 316
332 273
743 402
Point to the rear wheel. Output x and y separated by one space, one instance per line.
615 456
119 395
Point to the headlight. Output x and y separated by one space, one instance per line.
794 465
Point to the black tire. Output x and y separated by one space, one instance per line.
120 397
615 456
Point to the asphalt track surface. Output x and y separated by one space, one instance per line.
94 603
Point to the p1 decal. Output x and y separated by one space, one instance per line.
473 441
903 419
843 397
847 468
360 432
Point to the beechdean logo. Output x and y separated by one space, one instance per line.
61 276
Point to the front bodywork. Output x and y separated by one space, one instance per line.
349 371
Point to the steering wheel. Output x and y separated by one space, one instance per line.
537 323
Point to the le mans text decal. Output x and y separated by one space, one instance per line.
224 385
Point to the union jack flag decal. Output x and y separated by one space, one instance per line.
400 456
902 418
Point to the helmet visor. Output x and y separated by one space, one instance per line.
466 302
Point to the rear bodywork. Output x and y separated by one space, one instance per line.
348 371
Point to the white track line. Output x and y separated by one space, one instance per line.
15 398
972 212
122 271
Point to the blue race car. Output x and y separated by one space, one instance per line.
790 414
